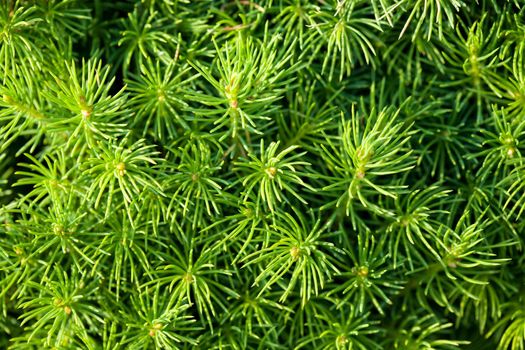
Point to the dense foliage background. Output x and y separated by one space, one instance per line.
266 174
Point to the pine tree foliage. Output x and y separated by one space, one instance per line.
266 174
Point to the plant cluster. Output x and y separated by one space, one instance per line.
262 174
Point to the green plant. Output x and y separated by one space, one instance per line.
266 174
